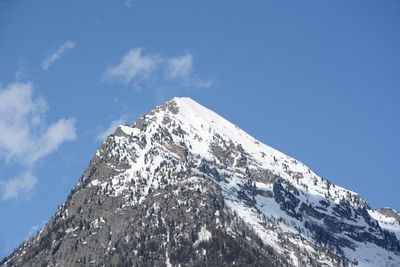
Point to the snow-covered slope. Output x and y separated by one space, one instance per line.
198 120
225 185
205 134
388 219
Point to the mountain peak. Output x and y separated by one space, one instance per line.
190 109
183 99
184 186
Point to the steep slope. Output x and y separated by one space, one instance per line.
184 186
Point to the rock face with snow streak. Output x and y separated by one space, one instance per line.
184 187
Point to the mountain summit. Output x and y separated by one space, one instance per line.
182 186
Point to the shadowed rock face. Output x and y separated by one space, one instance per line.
182 186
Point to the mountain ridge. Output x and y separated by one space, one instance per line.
266 203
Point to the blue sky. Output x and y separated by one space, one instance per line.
318 80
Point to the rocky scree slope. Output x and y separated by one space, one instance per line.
184 187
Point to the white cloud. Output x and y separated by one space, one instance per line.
24 136
61 50
56 134
22 184
137 67
111 128
181 69
134 65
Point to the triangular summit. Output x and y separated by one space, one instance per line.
183 186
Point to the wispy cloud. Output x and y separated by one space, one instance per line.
181 69
128 3
111 128
137 68
16 186
53 57
25 138
133 66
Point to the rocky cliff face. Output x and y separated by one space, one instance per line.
184 187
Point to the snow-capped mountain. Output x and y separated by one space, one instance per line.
182 186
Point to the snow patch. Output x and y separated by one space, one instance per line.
203 236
